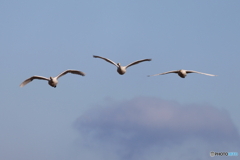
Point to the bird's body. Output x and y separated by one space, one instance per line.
122 69
52 81
182 73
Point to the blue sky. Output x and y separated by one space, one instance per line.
79 118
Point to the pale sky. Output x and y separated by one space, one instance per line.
109 116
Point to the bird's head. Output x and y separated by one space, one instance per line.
119 64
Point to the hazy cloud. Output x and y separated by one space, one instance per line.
150 127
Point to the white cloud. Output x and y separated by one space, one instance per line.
150 127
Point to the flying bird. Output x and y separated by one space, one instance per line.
182 73
122 69
52 81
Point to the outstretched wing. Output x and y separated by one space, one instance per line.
136 62
163 73
71 71
32 78
200 73
108 60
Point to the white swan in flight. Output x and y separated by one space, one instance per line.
182 73
122 69
52 81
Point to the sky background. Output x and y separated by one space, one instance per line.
109 116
